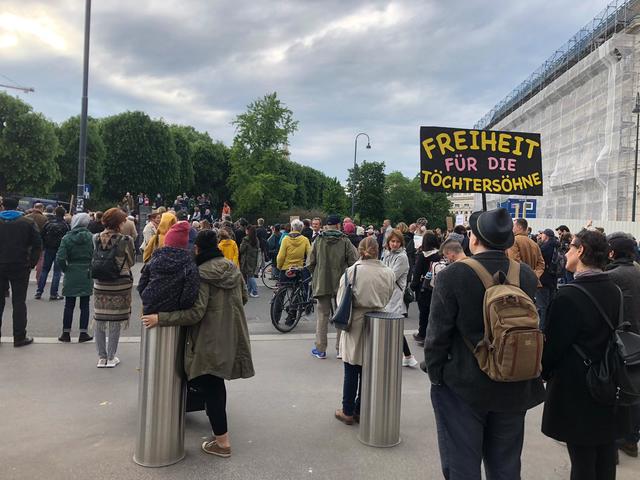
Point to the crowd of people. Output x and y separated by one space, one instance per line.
200 271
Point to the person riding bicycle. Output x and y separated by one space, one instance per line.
294 248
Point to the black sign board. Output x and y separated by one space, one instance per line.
480 161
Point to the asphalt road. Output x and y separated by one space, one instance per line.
45 316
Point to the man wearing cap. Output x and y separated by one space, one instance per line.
525 250
331 255
478 420
20 247
625 273
549 279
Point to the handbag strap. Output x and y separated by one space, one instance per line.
599 307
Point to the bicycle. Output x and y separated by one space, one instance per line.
291 300
269 276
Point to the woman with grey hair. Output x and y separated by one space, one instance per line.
74 259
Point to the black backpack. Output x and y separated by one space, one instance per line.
52 233
558 262
615 380
103 262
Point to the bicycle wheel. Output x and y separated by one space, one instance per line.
267 275
285 309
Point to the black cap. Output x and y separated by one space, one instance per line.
494 228
333 219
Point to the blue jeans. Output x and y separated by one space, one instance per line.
49 261
69 307
544 296
252 286
351 389
467 437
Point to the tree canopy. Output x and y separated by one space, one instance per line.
28 148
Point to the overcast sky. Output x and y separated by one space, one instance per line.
342 66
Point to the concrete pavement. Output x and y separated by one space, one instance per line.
65 419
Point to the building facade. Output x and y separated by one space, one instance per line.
581 101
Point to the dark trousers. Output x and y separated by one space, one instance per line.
215 401
593 462
18 277
351 389
50 261
424 304
405 347
69 306
467 437
634 436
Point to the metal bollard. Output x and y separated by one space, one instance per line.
161 399
381 380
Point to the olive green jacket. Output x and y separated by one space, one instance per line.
74 259
332 253
217 340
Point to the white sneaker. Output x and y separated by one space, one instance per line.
113 362
409 361
254 295
338 355
102 363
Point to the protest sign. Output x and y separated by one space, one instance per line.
480 161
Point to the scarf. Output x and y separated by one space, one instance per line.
207 255
588 273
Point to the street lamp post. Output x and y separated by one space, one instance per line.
355 157
636 110
82 154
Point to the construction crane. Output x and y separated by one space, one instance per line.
24 89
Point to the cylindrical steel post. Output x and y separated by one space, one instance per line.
381 380
161 399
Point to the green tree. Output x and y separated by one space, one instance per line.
334 198
28 148
406 202
184 150
259 158
211 162
69 137
141 156
367 180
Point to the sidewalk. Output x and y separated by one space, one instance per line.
65 419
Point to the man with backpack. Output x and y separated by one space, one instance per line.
479 402
625 273
52 234
553 266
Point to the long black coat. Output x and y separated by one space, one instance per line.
570 414
456 313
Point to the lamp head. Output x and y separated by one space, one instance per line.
368 145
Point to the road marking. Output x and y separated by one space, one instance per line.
267 337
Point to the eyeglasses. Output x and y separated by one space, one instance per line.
574 246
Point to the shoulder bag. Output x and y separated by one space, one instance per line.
342 318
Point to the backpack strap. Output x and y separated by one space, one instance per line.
513 275
483 273
599 307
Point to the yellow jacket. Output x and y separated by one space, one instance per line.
157 241
293 250
229 249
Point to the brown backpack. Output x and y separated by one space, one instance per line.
511 350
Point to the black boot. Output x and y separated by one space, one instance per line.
23 342
65 337
84 337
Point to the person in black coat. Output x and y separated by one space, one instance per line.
420 281
549 279
571 415
479 420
